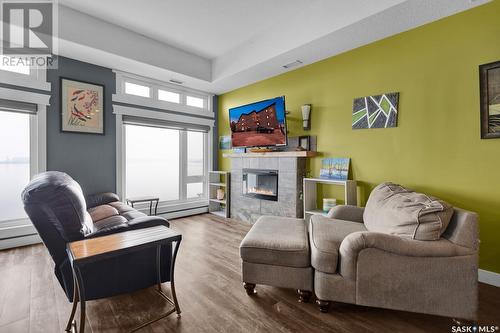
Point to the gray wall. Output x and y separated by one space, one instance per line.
89 158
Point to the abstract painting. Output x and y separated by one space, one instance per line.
334 168
82 107
379 111
490 100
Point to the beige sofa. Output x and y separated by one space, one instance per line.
405 251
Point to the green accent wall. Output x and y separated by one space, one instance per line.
436 147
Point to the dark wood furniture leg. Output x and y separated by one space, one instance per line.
324 306
249 288
304 295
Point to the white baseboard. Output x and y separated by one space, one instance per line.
489 277
8 243
184 213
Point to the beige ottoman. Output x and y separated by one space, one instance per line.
275 252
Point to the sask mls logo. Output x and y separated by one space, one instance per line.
474 329
27 27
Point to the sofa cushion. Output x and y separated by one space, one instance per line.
274 240
325 237
393 209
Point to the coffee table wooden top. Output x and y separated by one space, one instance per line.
83 249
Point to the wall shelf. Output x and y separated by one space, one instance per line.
217 184
311 192
219 180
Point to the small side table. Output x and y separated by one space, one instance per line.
151 200
88 251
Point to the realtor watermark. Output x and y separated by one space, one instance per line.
474 329
28 33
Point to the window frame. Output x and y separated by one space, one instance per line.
153 101
166 206
19 232
37 78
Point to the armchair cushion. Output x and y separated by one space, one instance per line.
355 243
325 237
347 213
393 209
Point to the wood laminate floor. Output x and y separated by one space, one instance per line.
210 294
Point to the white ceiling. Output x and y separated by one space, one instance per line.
207 28
220 45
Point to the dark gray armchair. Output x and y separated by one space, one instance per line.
60 213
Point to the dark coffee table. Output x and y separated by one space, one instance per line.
87 251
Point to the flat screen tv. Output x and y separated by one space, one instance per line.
260 124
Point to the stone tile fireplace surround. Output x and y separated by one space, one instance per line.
291 171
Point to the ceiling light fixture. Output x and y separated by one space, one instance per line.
292 64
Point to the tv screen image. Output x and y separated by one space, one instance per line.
259 124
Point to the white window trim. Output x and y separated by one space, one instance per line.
19 232
154 102
164 207
37 79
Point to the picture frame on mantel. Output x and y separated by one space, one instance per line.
489 79
305 142
82 106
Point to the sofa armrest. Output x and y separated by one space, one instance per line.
98 199
347 213
355 243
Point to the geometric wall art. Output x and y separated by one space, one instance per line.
380 111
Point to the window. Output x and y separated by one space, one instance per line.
164 160
169 96
11 64
195 150
161 95
195 101
152 162
137 89
14 163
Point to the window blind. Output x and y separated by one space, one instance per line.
131 120
16 106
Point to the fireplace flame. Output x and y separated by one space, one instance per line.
257 190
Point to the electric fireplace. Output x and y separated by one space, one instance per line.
260 184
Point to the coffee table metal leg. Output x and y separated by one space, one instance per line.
81 294
75 304
172 283
174 301
158 265
156 207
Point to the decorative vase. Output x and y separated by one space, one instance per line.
220 194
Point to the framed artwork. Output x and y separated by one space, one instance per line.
334 168
489 78
305 142
225 142
379 111
82 107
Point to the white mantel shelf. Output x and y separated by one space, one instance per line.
301 153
